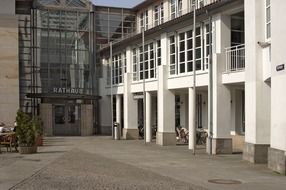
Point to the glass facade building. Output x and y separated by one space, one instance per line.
58 60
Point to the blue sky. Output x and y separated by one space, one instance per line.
117 3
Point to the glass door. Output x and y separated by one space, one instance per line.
66 120
59 119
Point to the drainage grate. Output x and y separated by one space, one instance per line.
32 160
224 181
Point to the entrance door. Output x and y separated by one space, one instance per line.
66 119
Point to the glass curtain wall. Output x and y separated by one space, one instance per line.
63 51
112 24
56 50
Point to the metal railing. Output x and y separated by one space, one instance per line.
235 58
168 18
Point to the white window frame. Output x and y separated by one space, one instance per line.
207 45
172 66
267 22
177 6
118 68
143 19
135 64
199 27
159 14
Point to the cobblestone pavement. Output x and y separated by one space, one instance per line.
101 163
81 170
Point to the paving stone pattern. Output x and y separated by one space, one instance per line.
78 169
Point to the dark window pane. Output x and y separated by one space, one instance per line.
182 68
182 56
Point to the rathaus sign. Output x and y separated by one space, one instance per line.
67 90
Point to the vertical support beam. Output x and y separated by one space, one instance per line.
166 110
148 117
183 110
257 92
277 151
221 142
164 49
130 130
118 109
191 119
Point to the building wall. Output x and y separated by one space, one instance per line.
278 79
7 7
186 8
9 72
257 92
180 82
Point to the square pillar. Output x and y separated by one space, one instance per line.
277 150
221 101
148 117
183 110
130 130
166 110
257 92
118 109
191 119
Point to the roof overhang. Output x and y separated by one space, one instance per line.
63 96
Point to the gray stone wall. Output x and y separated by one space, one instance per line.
222 146
277 160
9 71
7 7
255 153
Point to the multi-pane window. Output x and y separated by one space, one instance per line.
114 70
198 49
159 14
181 50
141 62
124 59
141 21
152 65
146 63
185 52
268 19
144 20
237 29
118 68
159 53
200 3
206 45
134 63
172 55
176 8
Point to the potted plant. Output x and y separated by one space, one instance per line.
26 133
37 125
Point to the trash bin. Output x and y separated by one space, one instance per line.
116 131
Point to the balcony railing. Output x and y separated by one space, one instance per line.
138 30
235 58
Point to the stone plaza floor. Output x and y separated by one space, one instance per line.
101 163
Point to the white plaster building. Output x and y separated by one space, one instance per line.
239 90
240 72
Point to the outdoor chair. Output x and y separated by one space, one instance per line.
9 140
